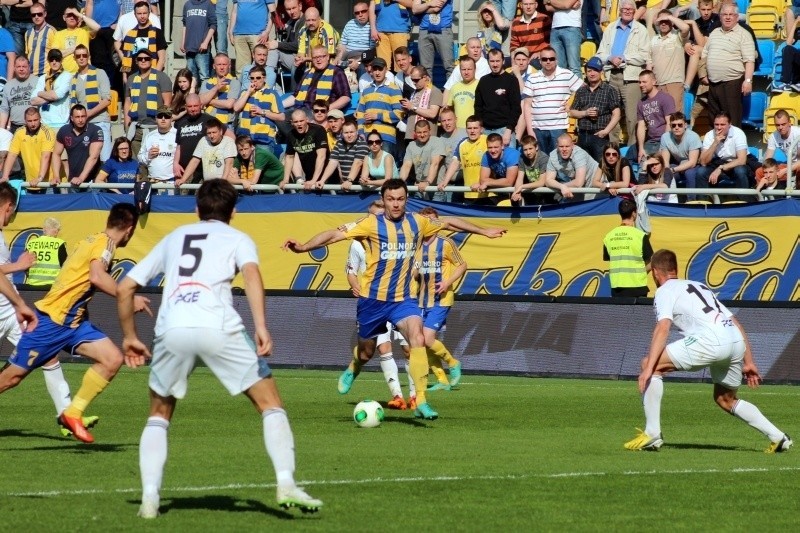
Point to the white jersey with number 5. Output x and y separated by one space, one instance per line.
198 261
692 307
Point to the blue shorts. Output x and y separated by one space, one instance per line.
435 317
48 339
372 315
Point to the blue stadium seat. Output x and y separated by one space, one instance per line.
354 98
779 156
754 151
753 107
688 104
777 67
766 49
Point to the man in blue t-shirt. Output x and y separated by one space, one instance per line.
250 23
499 167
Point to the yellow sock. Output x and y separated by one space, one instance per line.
440 351
418 365
92 385
436 367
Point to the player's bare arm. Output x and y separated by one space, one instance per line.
459 224
134 351
24 262
658 345
325 238
442 286
749 368
254 290
101 279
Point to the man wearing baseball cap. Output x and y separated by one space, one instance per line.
379 108
598 108
335 121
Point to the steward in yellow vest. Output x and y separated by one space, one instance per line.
50 252
628 251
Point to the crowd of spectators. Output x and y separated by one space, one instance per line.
307 103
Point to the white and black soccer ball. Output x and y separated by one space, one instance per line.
368 414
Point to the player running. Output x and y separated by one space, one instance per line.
440 266
63 324
713 339
197 319
391 242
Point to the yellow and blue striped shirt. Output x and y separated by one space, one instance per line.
391 247
37 45
71 292
436 261
384 100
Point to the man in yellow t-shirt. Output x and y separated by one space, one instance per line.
34 143
467 156
74 34
462 96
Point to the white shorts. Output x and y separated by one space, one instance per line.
391 334
9 329
724 360
230 356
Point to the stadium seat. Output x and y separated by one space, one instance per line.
354 99
790 102
753 107
754 151
613 14
765 19
688 104
588 50
504 203
698 202
779 156
766 49
777 67
743 5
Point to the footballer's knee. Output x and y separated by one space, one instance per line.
725 398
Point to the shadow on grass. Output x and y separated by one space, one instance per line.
694 446
27 434
73 446
220 503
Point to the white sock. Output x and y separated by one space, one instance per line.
412 390
390 374
279 441
651 400
153 455
57 386
750 414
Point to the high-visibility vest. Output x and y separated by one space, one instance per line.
47 265
626 266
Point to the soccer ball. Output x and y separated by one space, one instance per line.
368 414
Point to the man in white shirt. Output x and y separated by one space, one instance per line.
157 152
723 158
712 339
198 262
784 136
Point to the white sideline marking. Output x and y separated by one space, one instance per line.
239 486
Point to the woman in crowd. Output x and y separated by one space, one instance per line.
121 167
184 86
491 27
378 164
613 173
658 177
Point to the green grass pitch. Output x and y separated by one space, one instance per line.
507 454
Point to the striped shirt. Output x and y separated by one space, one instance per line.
384 100
533 34
356 37
549 97
436 263
37 44
346 154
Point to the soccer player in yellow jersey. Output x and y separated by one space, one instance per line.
63 323
440 266
391 241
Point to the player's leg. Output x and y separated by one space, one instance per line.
435 359
407 318
650 438
371 318
90 342
434 322
391 375
727 378
153 449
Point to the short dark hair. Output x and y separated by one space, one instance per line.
677 115
495 52
259 69
214 122
76 107
393 185
244 139
422 123
122 216
769 163
32 111
141 3
529 139
474 118
494 137
626 209
665 261
725 115
216 200
7 194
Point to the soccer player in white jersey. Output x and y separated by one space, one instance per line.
713 339
197 319
57 386
356 265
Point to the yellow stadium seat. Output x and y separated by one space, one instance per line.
588 50
728 202
613 14
113 107
765 19
698 202
504 203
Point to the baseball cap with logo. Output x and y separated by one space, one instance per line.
595 63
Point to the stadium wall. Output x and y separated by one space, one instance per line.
586 338
742 252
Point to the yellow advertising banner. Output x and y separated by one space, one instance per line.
749 252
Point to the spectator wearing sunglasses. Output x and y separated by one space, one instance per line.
145 92
91 88
38 39
73 35
261 110
680 149
51 93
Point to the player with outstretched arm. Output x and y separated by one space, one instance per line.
391 241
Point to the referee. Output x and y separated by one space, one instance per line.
628 251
